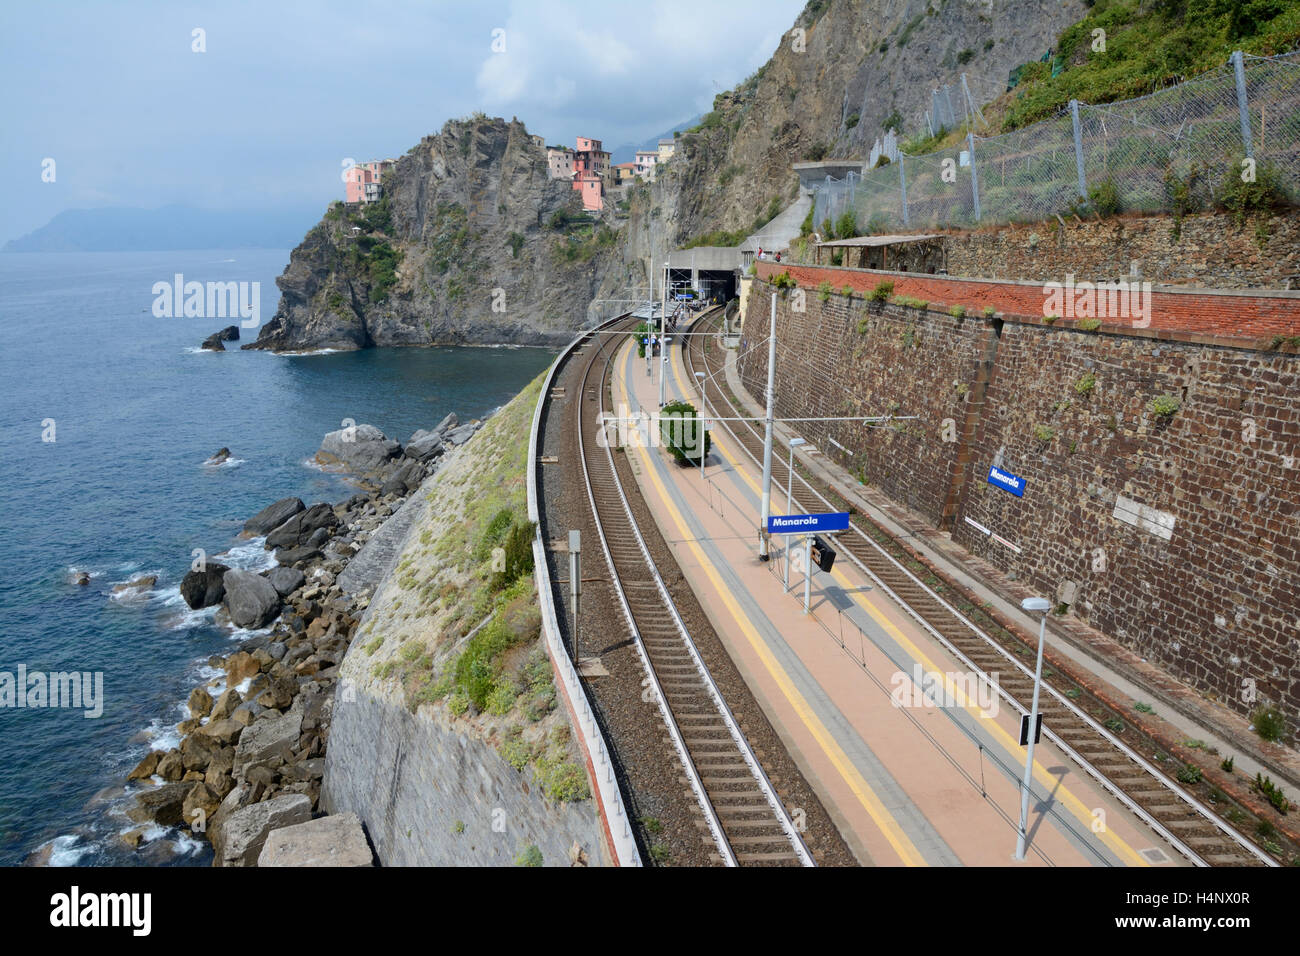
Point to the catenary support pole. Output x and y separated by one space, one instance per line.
766 510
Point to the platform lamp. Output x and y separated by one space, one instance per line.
1041 606
704 403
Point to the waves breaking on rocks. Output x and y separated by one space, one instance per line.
249 743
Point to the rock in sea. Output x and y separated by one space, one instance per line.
204 588
273 515
251 599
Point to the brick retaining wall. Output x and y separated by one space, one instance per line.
1214 597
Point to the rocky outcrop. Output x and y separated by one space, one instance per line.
250 598
259 733
273 515
843 69
204 588
237 839
472 242
329 841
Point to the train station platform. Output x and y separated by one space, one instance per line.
909 778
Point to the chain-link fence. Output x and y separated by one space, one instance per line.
1175 148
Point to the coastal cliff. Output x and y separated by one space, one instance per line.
471 243
844 72
447 742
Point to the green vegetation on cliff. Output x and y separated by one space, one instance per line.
1149 45
457 623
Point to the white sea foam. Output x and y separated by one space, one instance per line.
187 844
65 850
248 555
134 595
308 352
228 463
163 735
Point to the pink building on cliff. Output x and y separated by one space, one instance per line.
364 180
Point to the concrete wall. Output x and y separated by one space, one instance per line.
1214 599
413 778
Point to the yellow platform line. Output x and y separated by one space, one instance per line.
884 820
1009 744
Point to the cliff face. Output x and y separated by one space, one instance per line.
861 60
471 243
471 210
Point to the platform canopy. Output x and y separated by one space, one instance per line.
860 241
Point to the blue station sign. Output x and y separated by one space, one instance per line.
808 524
1007 481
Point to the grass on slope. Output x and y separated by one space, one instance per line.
458 621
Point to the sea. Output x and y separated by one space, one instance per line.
108 414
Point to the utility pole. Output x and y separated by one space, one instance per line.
767 435
663 349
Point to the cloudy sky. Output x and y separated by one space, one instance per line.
288 89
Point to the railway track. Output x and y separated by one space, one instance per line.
741 808
1177 816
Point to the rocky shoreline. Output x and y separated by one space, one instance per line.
252 753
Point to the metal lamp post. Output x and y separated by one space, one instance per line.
1041 605
704 403
789 502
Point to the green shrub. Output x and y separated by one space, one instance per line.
806 227
1043 433
989 311
1266 194
824 291
642 331
680 429
1269 722
1163 406
1088 325
958 311
516 241
1105 198
882 291
518 549
1190 774
846 227
1271 792
529 856
784 281
1086 384
515 751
